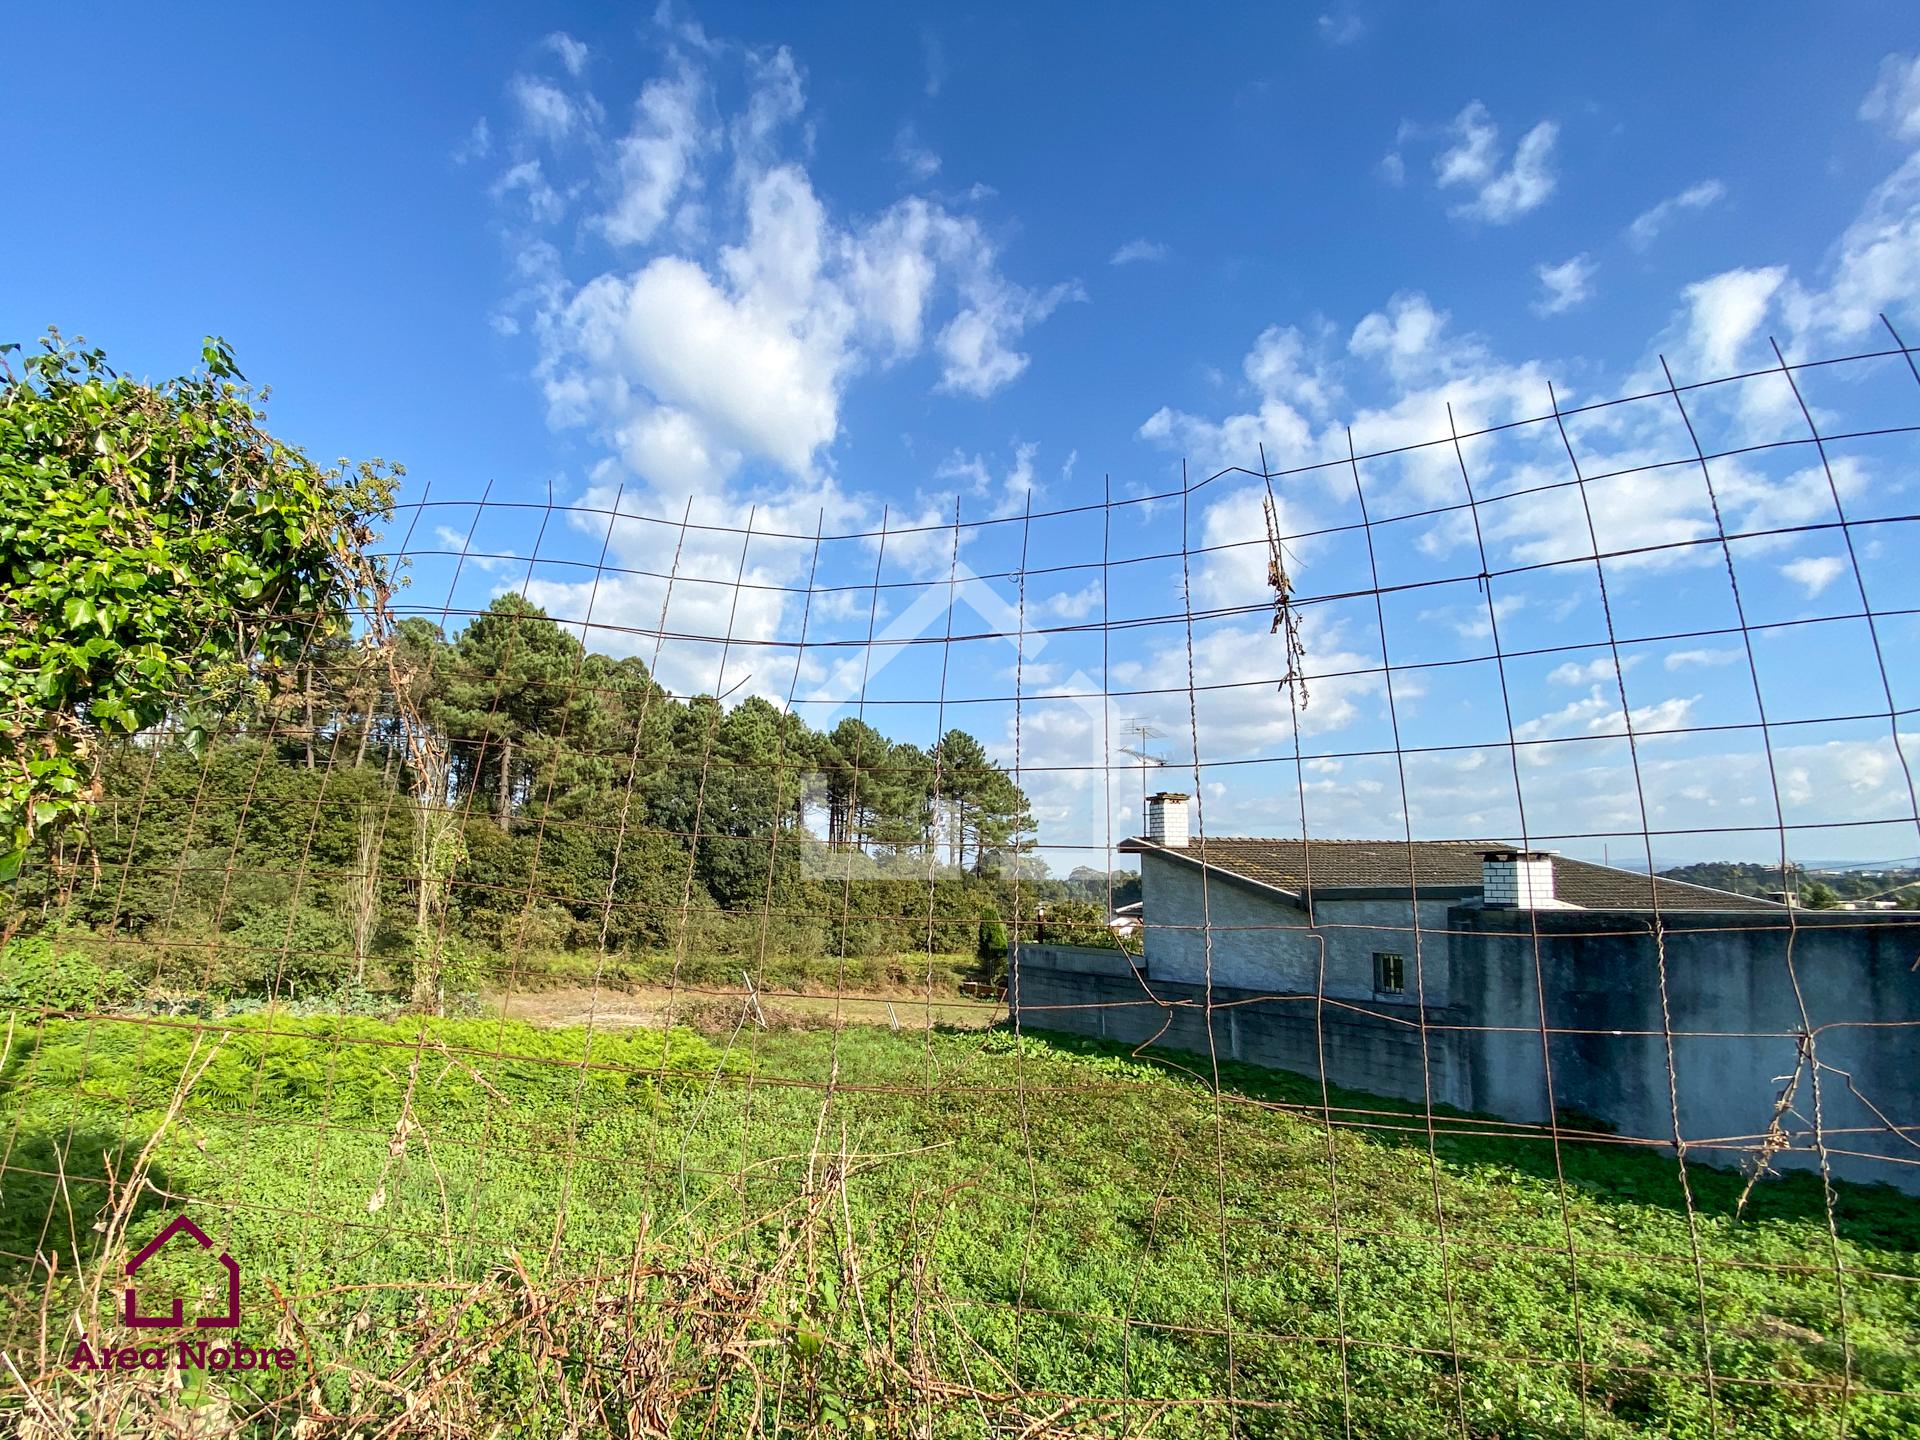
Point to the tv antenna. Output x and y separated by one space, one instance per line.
1146 730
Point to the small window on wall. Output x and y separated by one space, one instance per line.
1389 973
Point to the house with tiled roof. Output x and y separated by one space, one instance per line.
1511 981
1301 871
1360 919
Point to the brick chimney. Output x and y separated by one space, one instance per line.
1167 819
1517 879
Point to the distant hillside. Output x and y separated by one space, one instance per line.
1900 883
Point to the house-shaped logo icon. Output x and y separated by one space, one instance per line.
181 1225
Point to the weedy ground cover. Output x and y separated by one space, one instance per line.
856 1231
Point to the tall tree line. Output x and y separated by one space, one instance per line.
507 789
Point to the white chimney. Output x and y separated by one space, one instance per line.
1167 819
1517 879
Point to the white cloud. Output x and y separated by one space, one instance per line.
545 110
1639 513
488 562
701 361
1724 315
1393 169
1288 365
1342 29
1473 160
1647 225
1476 623
1409 349
717 361
1565 285
478 144
1010 493
1137 251
1876 267
1756 501
1894 102
753 364
1581 789
920 163
1406 365
1599 713
625 610
675 451
1431 365
1525 185
1813 573
776 97
892 267
1681 659
1239 709
527 180
1598 671
714 357
1073 604
654 160
977 345
935 55
1402 335
572 53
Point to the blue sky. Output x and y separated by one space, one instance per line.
824 264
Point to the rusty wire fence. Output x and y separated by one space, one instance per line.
1396 941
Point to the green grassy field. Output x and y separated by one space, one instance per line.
863 1232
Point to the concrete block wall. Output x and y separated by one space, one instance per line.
1730 1026
1379 1053
1735 985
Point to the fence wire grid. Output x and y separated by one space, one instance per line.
665 977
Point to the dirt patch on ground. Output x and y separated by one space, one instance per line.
653 1007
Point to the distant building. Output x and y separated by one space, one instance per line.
1513 982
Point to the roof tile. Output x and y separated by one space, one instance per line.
1297 865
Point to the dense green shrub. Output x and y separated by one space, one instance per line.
50 972
292 951
993 940
1075 922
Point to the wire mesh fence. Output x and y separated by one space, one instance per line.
1415 940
